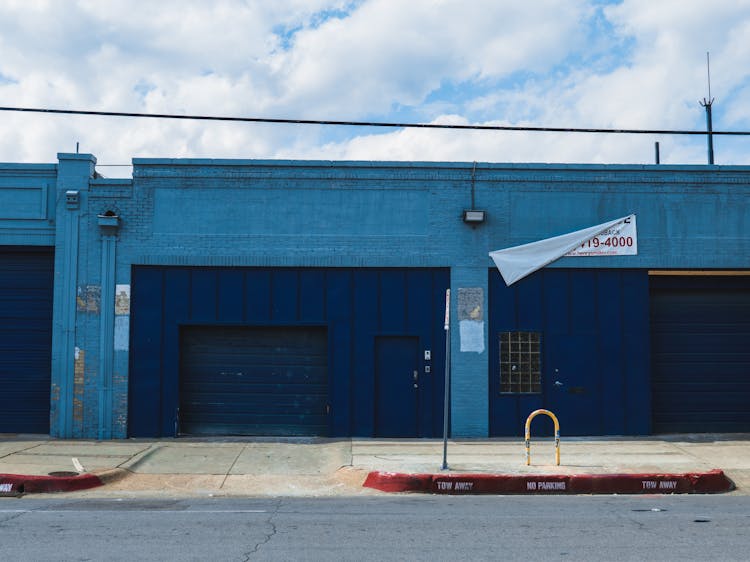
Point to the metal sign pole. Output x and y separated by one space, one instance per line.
446 400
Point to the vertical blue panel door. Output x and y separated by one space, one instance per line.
594 333
351 309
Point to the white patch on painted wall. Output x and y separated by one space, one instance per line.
471 335
122 299
122 333
471 318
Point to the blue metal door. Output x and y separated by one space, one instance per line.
570 385
397 386
593 328
26 280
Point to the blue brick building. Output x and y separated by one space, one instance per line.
215 297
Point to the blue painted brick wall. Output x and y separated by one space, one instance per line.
377 214
27 204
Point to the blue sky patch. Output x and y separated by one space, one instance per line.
286 33
6 80
143 88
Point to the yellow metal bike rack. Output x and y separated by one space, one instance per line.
528 434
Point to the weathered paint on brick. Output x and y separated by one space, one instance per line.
79 372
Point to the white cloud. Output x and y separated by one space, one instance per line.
390 52
573 63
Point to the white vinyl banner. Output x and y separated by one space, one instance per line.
519 261
620 240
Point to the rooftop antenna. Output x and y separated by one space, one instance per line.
707 103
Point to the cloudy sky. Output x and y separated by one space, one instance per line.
637 64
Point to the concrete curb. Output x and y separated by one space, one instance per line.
710 482
19 484
113 475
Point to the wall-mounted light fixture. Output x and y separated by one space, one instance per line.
109 223
474 216
72 200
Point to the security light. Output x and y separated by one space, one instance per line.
474 216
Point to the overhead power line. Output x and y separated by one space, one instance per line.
390 125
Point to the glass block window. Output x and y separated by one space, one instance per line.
520 362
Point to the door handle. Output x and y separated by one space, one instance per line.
558 383
416 376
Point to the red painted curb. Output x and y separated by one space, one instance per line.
711 482
399 482
17 484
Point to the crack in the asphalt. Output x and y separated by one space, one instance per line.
13 516
268 536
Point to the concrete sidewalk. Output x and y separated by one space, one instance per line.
328 467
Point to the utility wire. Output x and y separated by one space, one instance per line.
391 125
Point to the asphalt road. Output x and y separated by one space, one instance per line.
404 527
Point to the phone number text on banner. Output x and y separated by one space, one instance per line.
620 240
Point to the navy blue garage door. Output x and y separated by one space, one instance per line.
700 330
26 277
253 381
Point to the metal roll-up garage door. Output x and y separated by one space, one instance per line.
26 280
253 381
700 334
